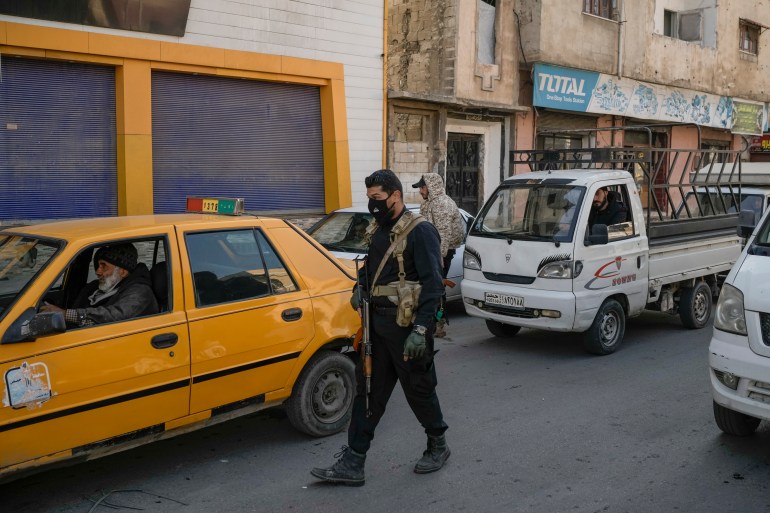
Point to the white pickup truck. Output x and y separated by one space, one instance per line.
531 259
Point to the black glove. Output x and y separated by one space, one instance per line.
414 346
355 299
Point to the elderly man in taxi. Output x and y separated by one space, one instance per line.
122 290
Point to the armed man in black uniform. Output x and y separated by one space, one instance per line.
405 296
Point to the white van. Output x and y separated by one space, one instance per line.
739 353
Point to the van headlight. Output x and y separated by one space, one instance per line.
559 270
729 314
471 259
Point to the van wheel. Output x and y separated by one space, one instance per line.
733 422
499 329
695 305
606 333
322 399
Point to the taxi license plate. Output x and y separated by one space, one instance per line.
504 300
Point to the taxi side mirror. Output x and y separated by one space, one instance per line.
30 325
599 235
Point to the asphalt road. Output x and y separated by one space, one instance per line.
536 425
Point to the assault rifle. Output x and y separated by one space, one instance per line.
366 340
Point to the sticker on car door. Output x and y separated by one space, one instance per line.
27 386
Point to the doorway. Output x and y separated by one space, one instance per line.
462 173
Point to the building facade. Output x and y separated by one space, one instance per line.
112 109
452 87
698 70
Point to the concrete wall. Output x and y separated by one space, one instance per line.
421 46
559 33
495 83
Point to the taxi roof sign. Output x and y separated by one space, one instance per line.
223 206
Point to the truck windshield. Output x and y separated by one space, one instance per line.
21 259
530 212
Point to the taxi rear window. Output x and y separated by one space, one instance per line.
235 265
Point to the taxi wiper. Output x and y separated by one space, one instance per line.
335 247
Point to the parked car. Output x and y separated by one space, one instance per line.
342 233
253 313
739 352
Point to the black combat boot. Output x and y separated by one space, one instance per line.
349 469
434 456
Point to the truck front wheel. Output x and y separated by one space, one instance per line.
695 305
499 329
606 333
322 399
733 422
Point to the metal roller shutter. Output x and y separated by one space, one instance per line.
57 140
225 137
550 120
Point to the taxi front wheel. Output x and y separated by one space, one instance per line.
322 399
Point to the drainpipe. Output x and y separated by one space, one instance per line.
385 85
621 23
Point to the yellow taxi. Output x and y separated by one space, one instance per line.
251 312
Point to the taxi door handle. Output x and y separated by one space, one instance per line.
292 314
164 341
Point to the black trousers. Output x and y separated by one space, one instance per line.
447 261
417 378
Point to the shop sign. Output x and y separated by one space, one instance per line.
760 144
749 118
597 93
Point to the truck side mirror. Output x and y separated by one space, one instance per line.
746 223
30 325
599 235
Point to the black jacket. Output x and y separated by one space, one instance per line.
614 213
134 298
422 263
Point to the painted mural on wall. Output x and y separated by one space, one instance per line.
597 93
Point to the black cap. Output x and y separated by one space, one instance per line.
419 184
122 255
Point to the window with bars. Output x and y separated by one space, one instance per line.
749 37
604 8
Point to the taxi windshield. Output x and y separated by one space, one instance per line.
530 212
343 231
21 260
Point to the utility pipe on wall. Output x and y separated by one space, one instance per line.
621 24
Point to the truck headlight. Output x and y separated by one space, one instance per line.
729 314
560 270
471 260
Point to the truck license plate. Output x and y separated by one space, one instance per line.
504 300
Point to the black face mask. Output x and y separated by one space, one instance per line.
379 209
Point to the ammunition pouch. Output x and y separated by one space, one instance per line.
405 296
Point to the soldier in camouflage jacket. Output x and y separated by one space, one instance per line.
442 212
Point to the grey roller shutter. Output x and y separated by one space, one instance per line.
225 137
550 120
57 140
